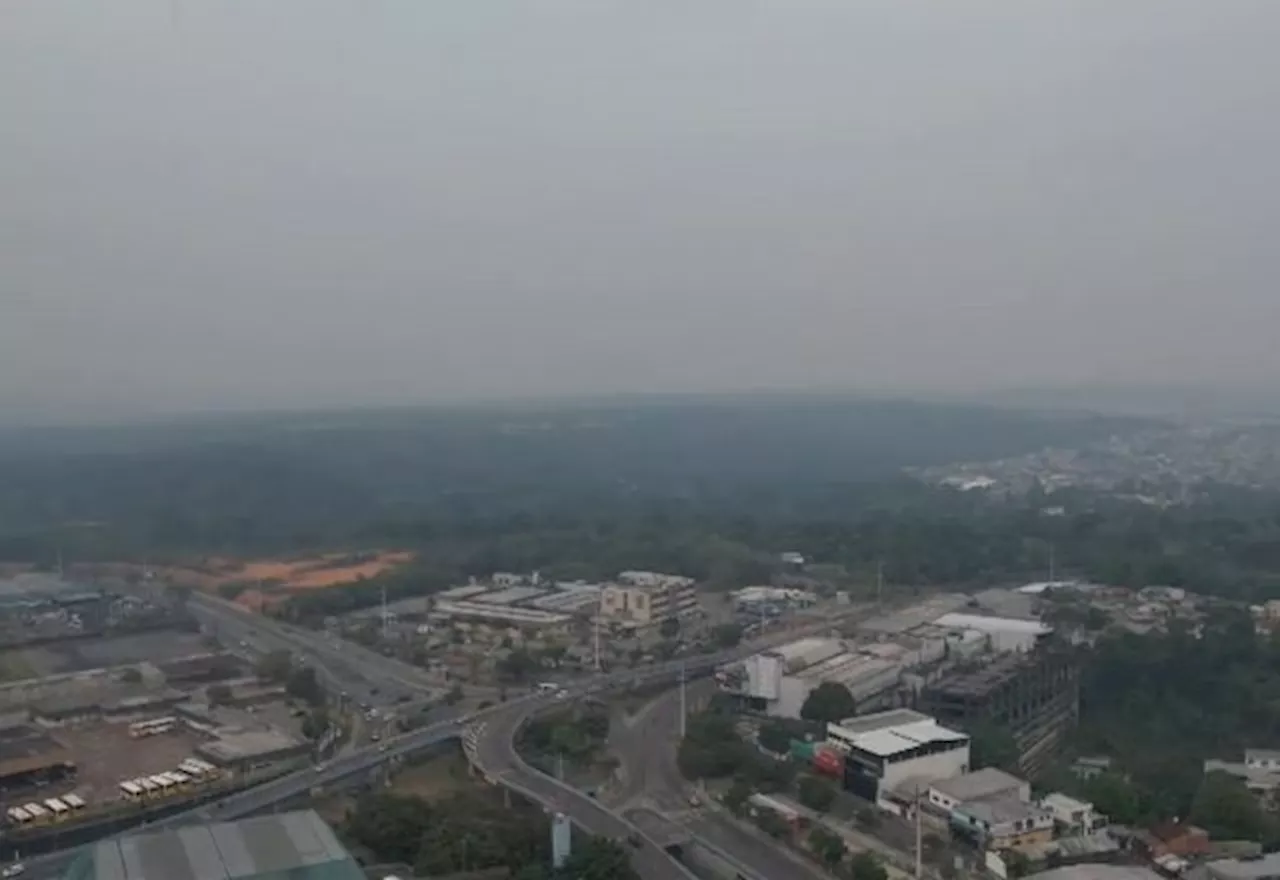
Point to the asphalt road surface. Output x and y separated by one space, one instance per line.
495 753
648 752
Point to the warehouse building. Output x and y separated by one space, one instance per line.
778 682
502 616
890 757
1005 633
298 846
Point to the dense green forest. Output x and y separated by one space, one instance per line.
1160 704
712 488
286 480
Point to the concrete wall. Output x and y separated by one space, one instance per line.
942 765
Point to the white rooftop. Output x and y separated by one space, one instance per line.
1039 587
510 596
887 741
503 613
988 623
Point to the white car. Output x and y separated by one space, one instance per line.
17 869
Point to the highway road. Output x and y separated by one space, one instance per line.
367 678
496 756
647 748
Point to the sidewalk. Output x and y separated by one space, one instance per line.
898 865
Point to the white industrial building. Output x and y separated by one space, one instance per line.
891 756
778 682
501 615
889 660
1004 633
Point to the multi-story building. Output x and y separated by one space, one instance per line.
1035 696
1003 824
641 598
888 750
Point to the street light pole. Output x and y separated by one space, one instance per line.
683 704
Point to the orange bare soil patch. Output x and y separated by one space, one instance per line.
316 572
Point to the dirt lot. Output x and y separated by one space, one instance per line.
106 756
77 654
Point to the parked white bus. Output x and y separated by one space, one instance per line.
73 801
180 779
150 728
18 816
39 815
59 810
191 769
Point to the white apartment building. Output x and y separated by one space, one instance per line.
1073 816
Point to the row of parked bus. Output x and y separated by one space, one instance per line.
55 809
191 774
155 726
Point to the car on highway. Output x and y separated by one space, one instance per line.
17 869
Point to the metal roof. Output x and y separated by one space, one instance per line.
990 623
297 845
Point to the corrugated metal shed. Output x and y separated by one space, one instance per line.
299 846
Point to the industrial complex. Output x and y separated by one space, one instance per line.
948 657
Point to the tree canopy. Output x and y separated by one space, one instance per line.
828 703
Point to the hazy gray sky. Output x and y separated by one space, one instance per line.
211 203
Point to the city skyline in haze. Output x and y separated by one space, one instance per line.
212 206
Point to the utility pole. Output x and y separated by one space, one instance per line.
384 614
683 703
599 614
919 839
879 581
